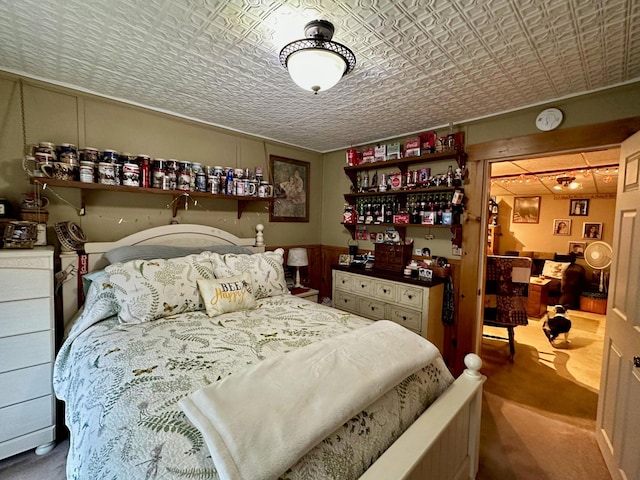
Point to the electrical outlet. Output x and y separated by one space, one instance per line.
429 237
417 251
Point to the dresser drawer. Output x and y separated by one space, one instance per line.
371 308
22 351
24 316
21 284
407 318
343 280
345 301
25 384
410 296
26 417
385 291
363 285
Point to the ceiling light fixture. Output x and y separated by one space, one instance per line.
566 182
316 63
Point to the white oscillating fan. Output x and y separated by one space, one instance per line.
598 256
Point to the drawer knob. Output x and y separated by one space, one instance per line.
404 318
362 285
410 296
373 309
384 290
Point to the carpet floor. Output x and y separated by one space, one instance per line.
538 413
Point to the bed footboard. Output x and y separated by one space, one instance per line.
443 443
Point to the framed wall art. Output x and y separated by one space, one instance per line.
290 180
577 248
579 207
592 230
526 209
562 226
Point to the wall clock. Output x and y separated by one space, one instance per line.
549 119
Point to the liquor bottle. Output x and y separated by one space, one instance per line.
365 181
450 176
423 209
439 209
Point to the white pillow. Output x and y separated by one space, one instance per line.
230 294
267 273
151 289
553 269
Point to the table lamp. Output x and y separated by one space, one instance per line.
297 258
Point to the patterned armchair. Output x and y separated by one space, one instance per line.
506 293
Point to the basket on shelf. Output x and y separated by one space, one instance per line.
34 215
442 272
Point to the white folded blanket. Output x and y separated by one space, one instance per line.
260 421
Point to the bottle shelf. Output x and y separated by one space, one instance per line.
403 192
403 163
243 201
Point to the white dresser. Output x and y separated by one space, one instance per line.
27 349
414 305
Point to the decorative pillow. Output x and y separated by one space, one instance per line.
230 294
151 252
267 273
150 289
553 269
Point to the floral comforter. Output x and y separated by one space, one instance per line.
121 384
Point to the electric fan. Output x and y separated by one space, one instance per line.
598 256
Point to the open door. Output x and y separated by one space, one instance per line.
618 419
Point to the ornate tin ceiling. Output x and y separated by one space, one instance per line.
421 64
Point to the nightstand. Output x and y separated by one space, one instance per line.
308 293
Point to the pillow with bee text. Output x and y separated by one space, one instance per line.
230 294
151 289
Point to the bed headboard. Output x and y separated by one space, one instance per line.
183 235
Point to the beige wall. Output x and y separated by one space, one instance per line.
617 103
539 237
65 116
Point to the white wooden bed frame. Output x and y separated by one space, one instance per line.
442 444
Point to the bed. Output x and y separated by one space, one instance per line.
138 354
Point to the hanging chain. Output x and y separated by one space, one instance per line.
24 122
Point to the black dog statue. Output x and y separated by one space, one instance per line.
559 323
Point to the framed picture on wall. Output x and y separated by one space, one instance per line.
290 180
592 230
577 248
562 226
579 207
526 209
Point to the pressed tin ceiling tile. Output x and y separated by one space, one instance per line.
421 64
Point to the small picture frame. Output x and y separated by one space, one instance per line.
562 226
577 248
526 209
579 207
344 259
592 230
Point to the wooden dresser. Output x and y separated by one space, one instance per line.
378 295
27 349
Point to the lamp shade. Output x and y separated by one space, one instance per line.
297 257
317 63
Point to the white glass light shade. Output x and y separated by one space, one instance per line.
315 70
297 257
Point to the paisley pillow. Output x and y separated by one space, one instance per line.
266 270
151 289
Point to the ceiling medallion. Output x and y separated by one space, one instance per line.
317 63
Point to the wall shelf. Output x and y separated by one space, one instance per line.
243 201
